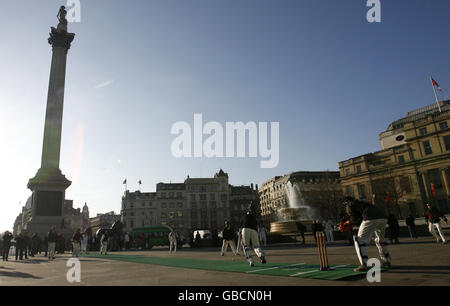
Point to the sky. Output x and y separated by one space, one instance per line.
331 79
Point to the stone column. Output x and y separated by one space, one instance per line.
445 179
49 184
426 185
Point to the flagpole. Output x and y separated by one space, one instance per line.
435 94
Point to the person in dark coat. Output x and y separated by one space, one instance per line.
301 230
197 239
35 244
228 235
372 221
26 244
411 224
394 228
316 227
7 237
19 246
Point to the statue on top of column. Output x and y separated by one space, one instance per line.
62 18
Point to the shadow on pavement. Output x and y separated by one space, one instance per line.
421 269
18 274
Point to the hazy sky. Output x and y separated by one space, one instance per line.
331 79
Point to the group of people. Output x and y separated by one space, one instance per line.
372 221
52 243
249 237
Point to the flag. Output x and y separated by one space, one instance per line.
433 190
140 182
436 84
124 182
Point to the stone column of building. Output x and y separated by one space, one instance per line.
49 184
426 185
445 178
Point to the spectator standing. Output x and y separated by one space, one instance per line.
410 222
19 246
394 228
7 237
84 243
76 243
262 232
228 235
52 237
329 228
301 230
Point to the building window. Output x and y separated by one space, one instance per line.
447 142
401 159
179 204
350 192
347 172
443 125
427 147
436 178
362 191
358 169
163 205
405 184
423 131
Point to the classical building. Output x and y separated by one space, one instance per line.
240 198
72 219
412 167
103 221
320 190
197 203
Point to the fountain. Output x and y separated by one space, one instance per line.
296 211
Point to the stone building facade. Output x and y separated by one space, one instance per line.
411 169
197 203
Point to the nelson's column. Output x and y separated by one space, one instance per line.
49 184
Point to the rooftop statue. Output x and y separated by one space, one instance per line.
62 18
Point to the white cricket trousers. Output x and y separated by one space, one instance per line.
76 249
104 247
51 249
330 236
366 230
173 246
432 228
227 243
250 239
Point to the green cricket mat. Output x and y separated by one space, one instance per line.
301 270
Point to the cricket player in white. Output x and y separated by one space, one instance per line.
250 237
373 221
433 218
172 241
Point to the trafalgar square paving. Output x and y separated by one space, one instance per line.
415 263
